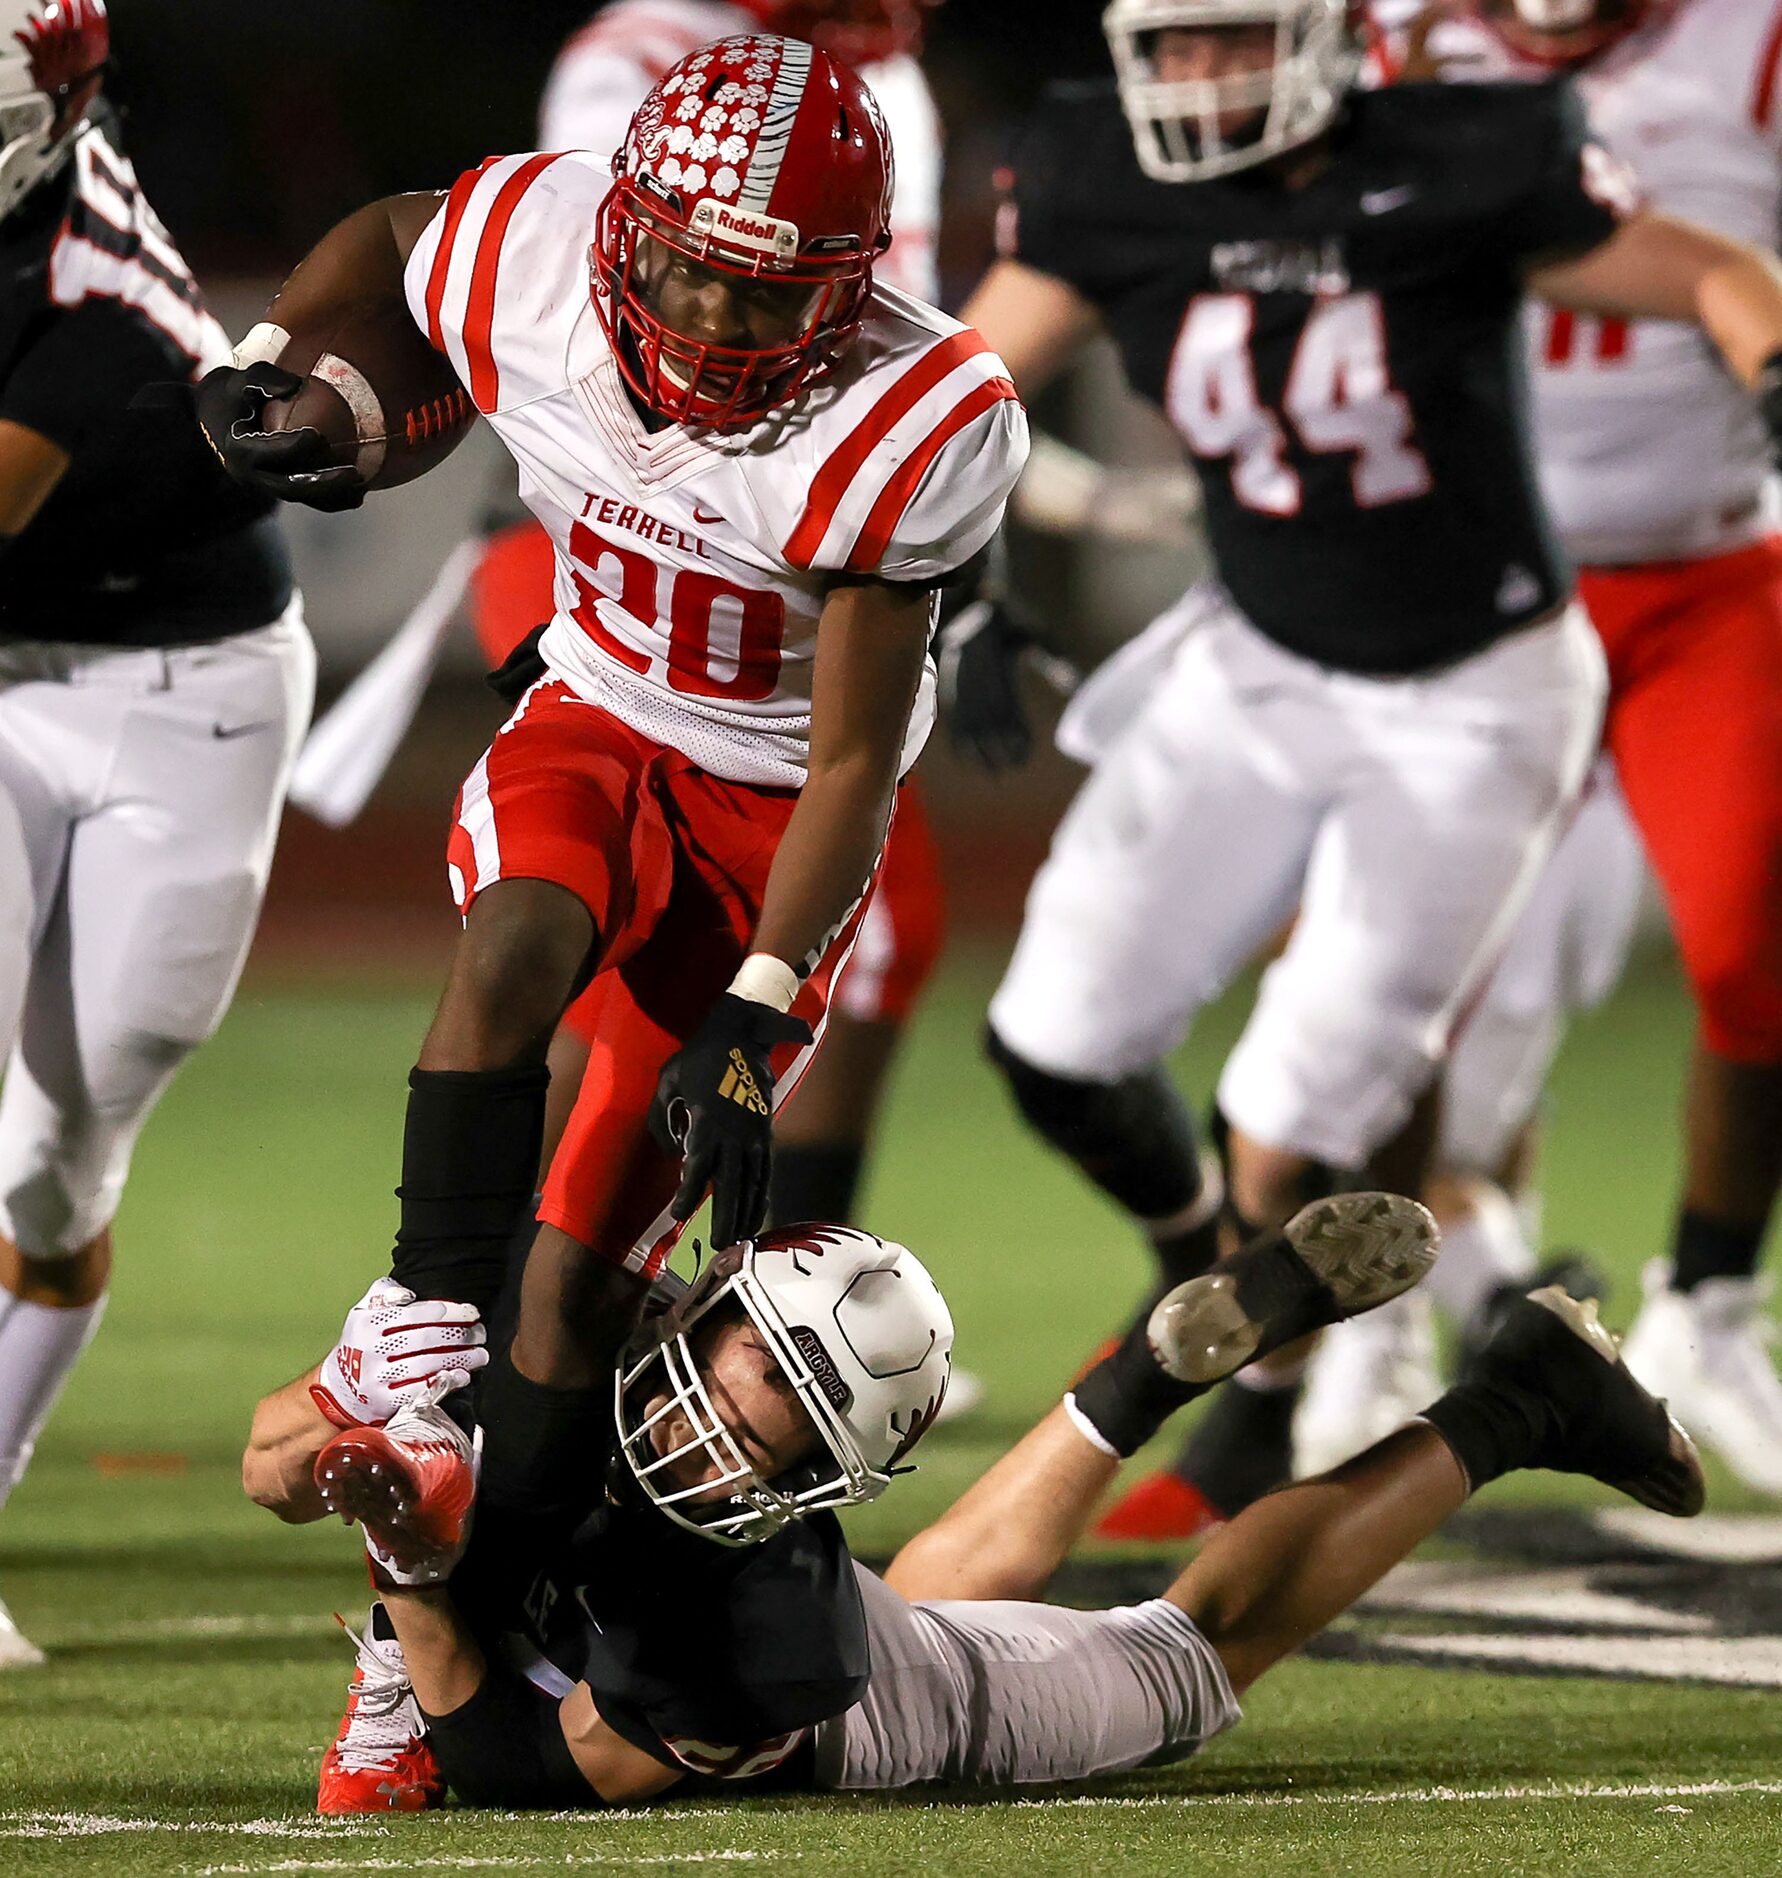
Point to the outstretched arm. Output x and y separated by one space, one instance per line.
1657 267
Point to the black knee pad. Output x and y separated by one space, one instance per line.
1134 1137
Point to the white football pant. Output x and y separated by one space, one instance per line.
1404 819
139 802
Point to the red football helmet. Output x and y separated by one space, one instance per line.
858 32
1565 34
734 252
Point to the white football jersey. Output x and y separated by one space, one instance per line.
601 75
692 566
1650 449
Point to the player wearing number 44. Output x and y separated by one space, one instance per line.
1380 711
756 466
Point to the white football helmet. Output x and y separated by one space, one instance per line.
1175 122
52 57
861 1333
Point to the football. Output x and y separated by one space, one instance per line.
383 398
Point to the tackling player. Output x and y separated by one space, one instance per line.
155 676
635 1656
1382 709
755 465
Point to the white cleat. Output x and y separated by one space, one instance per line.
1707 1353
17 1651
1367 1378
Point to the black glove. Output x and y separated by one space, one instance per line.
714 1104
1769 401
293 465
978 655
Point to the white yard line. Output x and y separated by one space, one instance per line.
1430 1796
455 1862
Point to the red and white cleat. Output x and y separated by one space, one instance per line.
411 1484
380 1761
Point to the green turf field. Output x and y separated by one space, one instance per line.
197 1675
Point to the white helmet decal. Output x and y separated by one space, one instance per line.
864 1340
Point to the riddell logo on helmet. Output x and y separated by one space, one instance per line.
822 1367
737 228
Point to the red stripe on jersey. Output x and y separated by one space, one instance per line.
479 313
831 482
1763 95
456 203
899 492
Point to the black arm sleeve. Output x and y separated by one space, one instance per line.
505 1747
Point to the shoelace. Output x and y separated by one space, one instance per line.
382 1724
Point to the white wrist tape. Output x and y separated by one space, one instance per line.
1088 1430
763 979
262 346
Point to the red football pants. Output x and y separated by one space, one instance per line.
510 594
1695 726
671 863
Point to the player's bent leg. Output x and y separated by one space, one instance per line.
1006 1535
1548 1391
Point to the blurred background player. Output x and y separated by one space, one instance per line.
1296 746
155 676
1656 467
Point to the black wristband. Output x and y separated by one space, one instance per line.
505 1747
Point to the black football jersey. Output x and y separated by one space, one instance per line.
1342 360
145 540
715 1659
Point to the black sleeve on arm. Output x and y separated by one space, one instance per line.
505 1747
1575 195
84 370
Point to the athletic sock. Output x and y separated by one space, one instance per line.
39 1346
815 1180
1126 1398
1704 1248
1242 1447
470 1150
1492 1428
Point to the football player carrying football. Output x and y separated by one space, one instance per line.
594 87
755 465
155 676
1655 463
667 1601
1382 709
